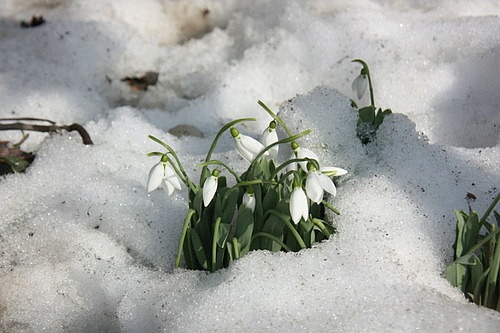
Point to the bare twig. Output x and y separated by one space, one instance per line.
45 128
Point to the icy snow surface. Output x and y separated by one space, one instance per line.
83 248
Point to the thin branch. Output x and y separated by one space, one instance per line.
46 128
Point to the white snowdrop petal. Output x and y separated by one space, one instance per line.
155 176
326 183
313 188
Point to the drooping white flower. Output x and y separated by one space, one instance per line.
299 207
248 200
268 137
246 146
360 84
163 174
210 187
316 185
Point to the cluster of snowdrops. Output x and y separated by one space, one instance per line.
274 206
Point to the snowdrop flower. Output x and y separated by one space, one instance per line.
249 200
317 183
299 207
268 137
163 174
246 146
360 84
210 187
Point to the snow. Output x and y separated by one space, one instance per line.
83 248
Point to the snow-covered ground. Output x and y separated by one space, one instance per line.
83 248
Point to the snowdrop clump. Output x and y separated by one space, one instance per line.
273 206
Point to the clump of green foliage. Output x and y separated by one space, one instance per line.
475 268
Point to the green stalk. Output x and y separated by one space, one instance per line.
319 224
490 208
273 238
236 248
483 241
217 162
221 131
183 236
275 117
289 139
494 264
330 207
290 226
293 160
214 244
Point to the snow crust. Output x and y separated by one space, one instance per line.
83 248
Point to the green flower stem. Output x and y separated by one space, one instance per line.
217 162
490 208
275 117
214 244
236 248
185 227
286 220
182 175
273 238
217 137
244 183
494 265
319 224
330 207
483 241
294 160
286 140
221 131
370 87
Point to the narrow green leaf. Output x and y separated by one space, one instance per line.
244 229
199 251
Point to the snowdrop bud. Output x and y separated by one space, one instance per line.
268 137
360 84
299 207
249 200
210 187
155 176
246 146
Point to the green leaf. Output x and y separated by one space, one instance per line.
460 230
478 287
456 275
199 251
229 204
274 227
224 229
271 199
244 229
367 114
